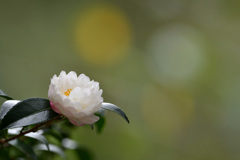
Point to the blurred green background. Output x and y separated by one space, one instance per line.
171 65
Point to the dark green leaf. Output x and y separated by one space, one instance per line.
4 95
4 134
49 132
115 109
6 106
84 153
27 112
4 154
34 119
100 123
101 112
35 135
52 148
39 137
24 148
92 127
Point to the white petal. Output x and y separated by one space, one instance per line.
62 74
84 99
72 74
90 119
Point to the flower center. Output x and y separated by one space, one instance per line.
67 92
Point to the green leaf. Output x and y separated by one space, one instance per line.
34 119
6 106
27 112
116 109
35 135
3 134
84 153
14 131
92 127
100 123
69 143
101 112
52 148
4 153
49 132
4 95
39 137
23 147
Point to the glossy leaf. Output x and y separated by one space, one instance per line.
69 144
82 152
34 119
23 147
35 135
52 148
116 109
6 106
4 95
39 137
27 112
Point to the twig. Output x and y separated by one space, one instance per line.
34 129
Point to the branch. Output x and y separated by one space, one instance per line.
34 129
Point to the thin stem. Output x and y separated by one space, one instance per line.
34 129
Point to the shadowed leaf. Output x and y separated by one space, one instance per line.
84 153
27 112
52 148
23 147
100 123
4 95
39 137
6 106
116 109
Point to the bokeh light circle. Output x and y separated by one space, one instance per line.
176 54
103 35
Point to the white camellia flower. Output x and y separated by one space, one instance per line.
75 97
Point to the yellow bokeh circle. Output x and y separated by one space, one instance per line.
103 35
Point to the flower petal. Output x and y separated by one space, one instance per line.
55 108
90 119
82 101
77 123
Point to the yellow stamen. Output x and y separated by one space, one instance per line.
67 92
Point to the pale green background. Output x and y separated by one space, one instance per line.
178 78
